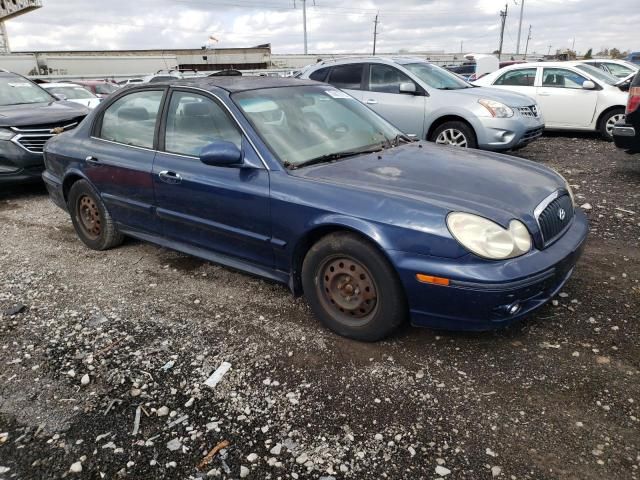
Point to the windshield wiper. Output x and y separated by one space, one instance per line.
330 157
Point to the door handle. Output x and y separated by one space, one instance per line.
91 159
371 101
170 177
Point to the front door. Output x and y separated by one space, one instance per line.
221 209
119 158
405 111
564 102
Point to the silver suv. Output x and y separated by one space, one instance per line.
428 101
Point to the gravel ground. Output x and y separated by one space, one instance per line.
102 367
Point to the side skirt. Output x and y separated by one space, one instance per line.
227 261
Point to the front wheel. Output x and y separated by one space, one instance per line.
352 288
608 121
456 134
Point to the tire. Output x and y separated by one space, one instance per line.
607 121
455 133
367 309
90 218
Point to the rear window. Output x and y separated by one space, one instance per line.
347 76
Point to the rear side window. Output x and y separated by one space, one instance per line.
132 119
319 75
347 76
518 78
387 79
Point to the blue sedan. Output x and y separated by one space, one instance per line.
297 182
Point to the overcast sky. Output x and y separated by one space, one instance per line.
334 26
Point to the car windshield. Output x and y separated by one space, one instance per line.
19 91
311 124
105 88
599 74
72 92
436 77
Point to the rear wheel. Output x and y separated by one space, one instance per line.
456 134
608 121
352 289
90 218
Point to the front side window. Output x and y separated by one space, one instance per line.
347 76
20 91
436 77
313 123
561 78
132 119
524 77
194 121
387 79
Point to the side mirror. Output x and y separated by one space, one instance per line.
408 87
221 154
60 96
588 85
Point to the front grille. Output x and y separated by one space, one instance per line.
531 111
555 218
33 138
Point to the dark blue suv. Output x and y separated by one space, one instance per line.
297 182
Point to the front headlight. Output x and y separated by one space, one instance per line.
6 134
487 239
496 109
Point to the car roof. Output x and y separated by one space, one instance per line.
236 84
58 84
366 59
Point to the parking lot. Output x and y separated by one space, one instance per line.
555 397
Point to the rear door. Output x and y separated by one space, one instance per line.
221 209
382 95
120 154
349 77
521 80
563 101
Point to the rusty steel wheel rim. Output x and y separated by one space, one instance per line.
89 216
348 288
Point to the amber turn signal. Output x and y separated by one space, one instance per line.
431 279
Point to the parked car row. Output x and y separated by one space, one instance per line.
298 182
431 103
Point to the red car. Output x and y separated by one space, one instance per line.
99 88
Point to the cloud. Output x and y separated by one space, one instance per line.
333 26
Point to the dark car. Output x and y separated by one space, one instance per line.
626 133
29 116
297 182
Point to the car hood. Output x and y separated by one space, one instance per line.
511 99
40 113
492 185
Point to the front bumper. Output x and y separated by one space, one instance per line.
626 137
481 292
18 165
508 133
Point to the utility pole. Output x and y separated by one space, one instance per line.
549 51
503 17
520 27
461 45
375 33
526 49
304 20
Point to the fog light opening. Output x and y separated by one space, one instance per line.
514 308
